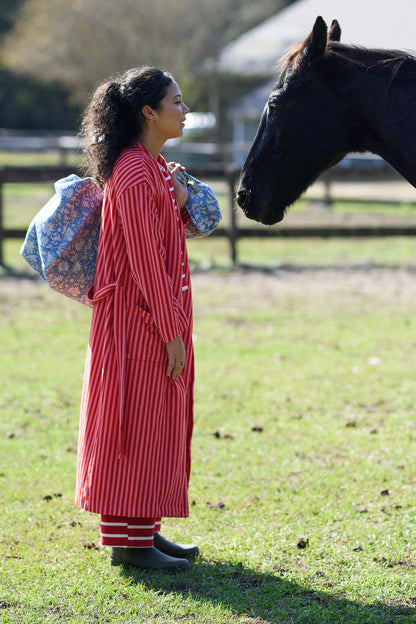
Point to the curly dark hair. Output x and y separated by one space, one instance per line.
113 119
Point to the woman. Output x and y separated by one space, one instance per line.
137 401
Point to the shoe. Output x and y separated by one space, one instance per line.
146 558
175 550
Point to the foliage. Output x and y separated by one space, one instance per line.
8 14
27 103
80 42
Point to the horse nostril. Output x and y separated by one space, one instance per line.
243 198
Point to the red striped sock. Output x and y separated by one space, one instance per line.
127 532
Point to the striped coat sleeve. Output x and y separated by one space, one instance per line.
144 242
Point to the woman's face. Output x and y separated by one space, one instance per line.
170 117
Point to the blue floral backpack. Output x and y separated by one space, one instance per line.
61 243
62 240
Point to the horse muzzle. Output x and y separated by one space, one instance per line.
270 213
265 213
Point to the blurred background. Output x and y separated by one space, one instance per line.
55 52
224 55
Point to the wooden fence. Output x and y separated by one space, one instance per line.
368 171
39 174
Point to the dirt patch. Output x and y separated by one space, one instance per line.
388 284
251 285
16 291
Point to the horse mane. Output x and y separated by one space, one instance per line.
398 65
372 58
376 60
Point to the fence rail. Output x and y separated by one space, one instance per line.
370 170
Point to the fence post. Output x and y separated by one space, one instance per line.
327 191
2 233
233 232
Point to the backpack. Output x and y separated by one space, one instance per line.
62 240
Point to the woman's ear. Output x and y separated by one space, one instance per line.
148 112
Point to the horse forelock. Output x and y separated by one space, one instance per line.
296 58
290 59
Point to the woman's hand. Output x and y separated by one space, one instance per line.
176 357
181 190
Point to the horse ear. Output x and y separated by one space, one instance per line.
316 42
334 33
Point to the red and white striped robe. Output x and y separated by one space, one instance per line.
136 423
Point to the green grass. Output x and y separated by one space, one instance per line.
304 431
23 201
286 251
403 209
214 253
48 157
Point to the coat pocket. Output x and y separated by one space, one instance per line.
144 341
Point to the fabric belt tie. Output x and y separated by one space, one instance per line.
119 329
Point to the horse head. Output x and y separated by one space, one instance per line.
302 131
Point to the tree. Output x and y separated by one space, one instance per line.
27 102
8 14
81 42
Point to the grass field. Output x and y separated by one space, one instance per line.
303 483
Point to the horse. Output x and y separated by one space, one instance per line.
330 99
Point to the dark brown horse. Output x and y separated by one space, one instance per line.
330 99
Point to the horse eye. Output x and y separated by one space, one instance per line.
274 105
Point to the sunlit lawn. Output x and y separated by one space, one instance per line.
303 481
302 490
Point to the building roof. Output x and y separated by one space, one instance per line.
251 105
371 23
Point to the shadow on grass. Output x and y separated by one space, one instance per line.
9 272
265 597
